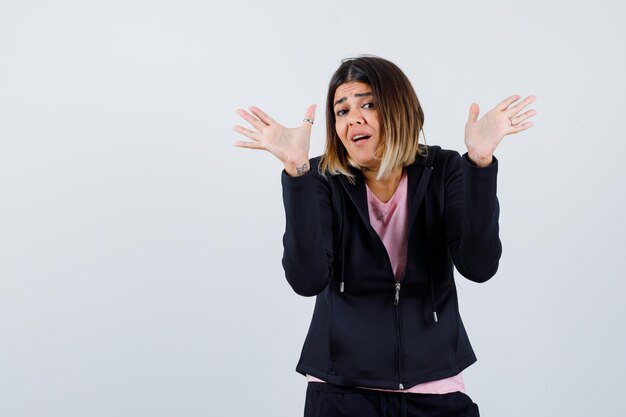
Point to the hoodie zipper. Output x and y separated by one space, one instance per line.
397 284
397 299
396 302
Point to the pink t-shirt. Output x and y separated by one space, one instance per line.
390 220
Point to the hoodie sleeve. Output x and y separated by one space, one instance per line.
471 215
307 242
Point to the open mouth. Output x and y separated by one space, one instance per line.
358 138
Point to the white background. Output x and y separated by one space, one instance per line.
140 251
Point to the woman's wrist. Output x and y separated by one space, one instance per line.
480 160
297 167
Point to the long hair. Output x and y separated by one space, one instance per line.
401 116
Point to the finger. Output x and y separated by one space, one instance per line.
473 112
507 102
309 116
310 112
518 119
249 145
513 110
519 128
246 132
258 125
261 115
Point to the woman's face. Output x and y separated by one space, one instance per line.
357 122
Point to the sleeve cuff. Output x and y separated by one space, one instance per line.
302 181
477 172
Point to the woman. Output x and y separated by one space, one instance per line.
374 229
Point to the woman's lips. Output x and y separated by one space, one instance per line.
355 135
361 142
360 139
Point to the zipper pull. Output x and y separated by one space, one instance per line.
397 299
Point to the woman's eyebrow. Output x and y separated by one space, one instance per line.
342 99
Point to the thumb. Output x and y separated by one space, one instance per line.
309 116
473 113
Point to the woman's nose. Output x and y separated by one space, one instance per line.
355 117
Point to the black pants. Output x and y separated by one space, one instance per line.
326 400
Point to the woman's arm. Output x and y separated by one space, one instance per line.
471 213
308 238
471 206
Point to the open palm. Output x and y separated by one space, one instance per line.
482 136
289 145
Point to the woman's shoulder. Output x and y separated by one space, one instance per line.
434 155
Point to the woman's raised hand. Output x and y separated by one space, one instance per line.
289 145
483 136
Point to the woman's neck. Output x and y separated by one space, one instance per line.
384 188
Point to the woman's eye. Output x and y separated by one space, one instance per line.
343 112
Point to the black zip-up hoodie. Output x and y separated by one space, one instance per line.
366 330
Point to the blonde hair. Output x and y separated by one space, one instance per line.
401 116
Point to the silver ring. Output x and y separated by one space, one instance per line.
308 119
